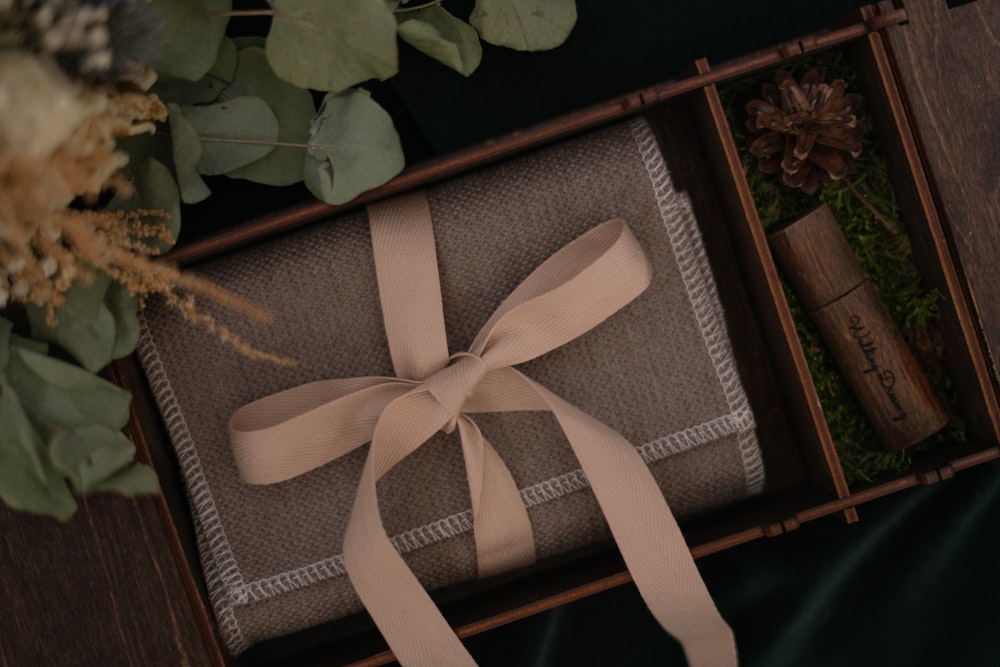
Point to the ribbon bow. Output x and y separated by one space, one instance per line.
292 432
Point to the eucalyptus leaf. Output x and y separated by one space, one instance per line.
187 153
225 61
246 41
156 189
524 25
98 458
137 479
29 344
141 147
233 133
440 35
196 190
61 395
206 89
190 36
334 44
353 147
90 455
292 106
124 309
185 144
22 433
84 326
27 481
6 327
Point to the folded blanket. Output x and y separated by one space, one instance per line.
660 372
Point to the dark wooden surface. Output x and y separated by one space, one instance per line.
102 589
948 61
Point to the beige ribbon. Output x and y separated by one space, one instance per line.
298 430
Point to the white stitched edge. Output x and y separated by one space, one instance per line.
226 586
220 595
222 574
536 494
685 239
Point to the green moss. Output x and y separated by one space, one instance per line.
885 257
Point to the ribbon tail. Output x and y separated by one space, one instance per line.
504 539
408 619
648 536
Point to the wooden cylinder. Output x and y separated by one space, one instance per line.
863 339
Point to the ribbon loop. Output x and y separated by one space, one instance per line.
580 286
315 424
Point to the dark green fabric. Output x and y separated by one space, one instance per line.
914 583
616 47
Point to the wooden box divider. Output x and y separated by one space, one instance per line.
805 480
760 274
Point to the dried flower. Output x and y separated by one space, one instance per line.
95 40
57 144
805 131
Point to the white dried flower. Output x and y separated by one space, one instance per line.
97 62
44 17
98 37
71 32
52 41
16 264
39 107
48 266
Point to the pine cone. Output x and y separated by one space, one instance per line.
805 131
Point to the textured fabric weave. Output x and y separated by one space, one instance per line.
272 555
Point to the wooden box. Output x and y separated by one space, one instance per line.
805 481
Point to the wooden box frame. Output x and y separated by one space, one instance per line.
805 479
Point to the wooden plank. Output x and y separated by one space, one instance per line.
101 589
964 355
172 504
946 60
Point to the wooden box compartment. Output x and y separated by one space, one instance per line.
963 354
804 478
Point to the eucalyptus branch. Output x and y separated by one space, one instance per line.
242 12
262 142
432 3
256 142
